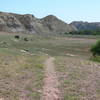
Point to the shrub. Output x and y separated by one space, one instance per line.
25 39
17 36
96 49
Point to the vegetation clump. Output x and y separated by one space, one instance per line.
84 32
17 36
96 51
25 39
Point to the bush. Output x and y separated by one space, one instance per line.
25 39
17 36
96 49
85 32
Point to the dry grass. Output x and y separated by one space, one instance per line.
21 75
80 79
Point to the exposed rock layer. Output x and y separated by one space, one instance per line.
80 25
10 22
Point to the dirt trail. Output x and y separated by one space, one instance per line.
50 89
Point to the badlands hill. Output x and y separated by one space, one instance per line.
16 23
80 25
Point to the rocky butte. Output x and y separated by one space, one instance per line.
16 23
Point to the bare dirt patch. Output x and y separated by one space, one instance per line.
50 89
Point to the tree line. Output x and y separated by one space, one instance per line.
85 32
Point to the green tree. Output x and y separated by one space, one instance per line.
96 49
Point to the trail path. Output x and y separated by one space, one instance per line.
50 89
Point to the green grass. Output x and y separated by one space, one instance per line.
96 59
52 45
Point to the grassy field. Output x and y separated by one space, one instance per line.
21 72
79 79
21 75
22 69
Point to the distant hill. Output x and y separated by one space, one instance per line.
81 26
10 22
54 24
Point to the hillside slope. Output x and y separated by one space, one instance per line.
10 22
80 25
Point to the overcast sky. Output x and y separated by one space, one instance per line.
67 10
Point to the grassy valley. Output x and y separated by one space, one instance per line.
22 66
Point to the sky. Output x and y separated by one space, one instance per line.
66 10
